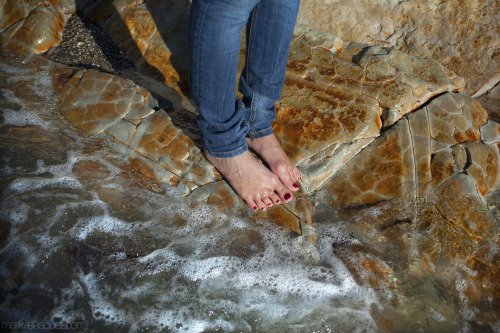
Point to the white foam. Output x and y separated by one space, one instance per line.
13 70
98 302
22 185
102 223
495 326
436 315
22 117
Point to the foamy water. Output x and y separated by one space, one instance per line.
191 281
102 249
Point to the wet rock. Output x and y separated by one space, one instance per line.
398 81
483 165
12 11
158 138
385 147
334 103
142 42
460 35
401 164
94 101
99 102
294 216
38 32
36 145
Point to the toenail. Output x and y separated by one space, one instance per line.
288 196
278 201
255 207
269 204
263 208
295 185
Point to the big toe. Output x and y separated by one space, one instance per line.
285 176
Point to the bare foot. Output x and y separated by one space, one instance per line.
269 149
253 182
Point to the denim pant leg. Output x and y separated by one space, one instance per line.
268 36
215 29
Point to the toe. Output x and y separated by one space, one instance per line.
261 204
268 202
296 173
251 203
286 177
275 198
289 183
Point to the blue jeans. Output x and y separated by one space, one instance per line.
215 29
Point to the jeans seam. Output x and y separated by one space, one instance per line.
250 37
198 27
253 108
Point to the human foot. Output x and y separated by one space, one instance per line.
269 149
253 182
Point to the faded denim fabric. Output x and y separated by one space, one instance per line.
214 42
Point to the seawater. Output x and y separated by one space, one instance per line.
100 248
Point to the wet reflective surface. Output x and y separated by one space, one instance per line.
83 240
87 240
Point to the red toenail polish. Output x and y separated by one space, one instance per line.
278 201
255 207
268 204
288 196
295 185
263 208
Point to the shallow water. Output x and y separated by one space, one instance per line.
87 244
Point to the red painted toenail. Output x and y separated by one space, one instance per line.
268 204
255 207
295 185
278 201
263 208
288 196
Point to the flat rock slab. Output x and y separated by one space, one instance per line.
461 35
336 100
400 165
398 81
37 32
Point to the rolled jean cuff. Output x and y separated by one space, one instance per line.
228 154
260 134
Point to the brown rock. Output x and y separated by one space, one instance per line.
490 133
401 164
94 101
38 32
157 138
12 11
461 35
484 166
313 117
399 82
491 103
